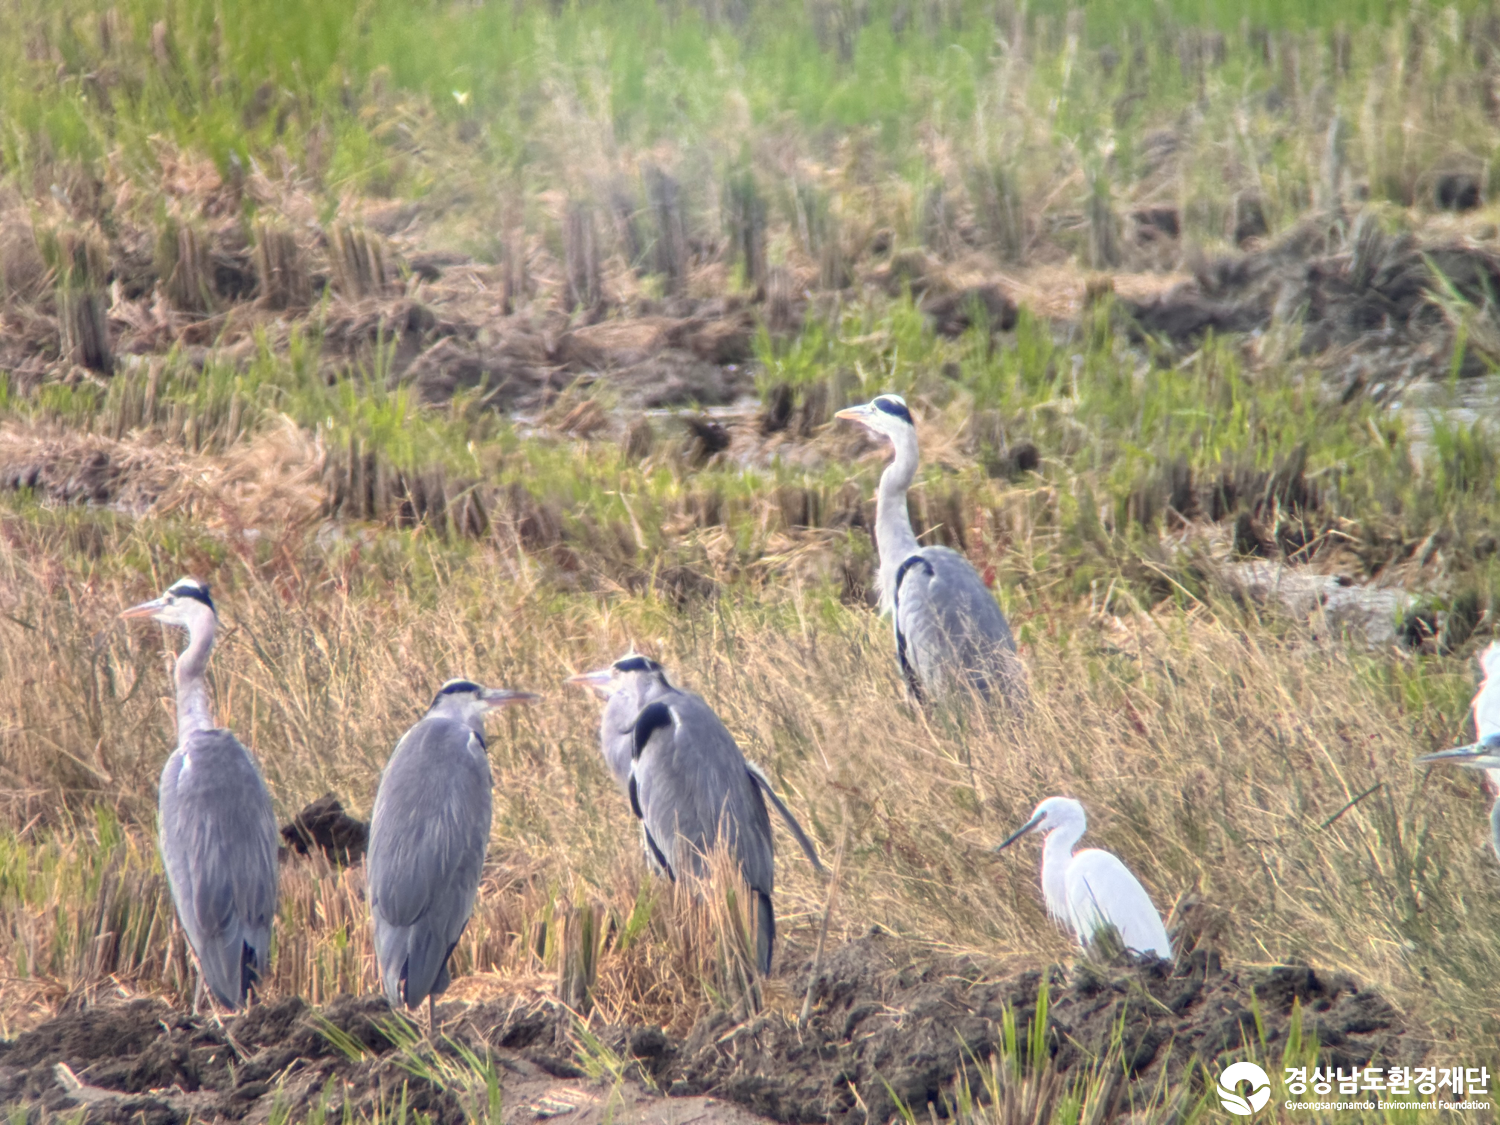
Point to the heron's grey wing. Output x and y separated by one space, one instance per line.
218 844
949 624
692 784
693 787
758 776
428 838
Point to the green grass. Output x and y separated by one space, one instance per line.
1216 741
383 97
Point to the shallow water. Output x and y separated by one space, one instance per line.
1462 402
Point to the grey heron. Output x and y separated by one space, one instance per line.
216 826
689 784
428 837
1091 889
949 629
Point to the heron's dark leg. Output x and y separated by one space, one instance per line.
431 1018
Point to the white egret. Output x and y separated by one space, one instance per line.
1487 708
1089 890
1484 752
1480 756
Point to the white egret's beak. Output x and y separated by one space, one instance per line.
504 697
146 609
1030 826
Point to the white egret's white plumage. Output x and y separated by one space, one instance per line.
428 837
216 829
950 631
1090 889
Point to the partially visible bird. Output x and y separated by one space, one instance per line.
1483 755
950 631
1089 890
217 829
626 686
1487 707
691 787
1484 752
428 838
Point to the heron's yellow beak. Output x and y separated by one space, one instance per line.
145 609
505 697
597 679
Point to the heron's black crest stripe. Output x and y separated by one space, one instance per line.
636 664
453 687
651 719
894 407
906 668
194 590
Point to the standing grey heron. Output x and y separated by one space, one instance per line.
217 830
689 785
950 631
428 837
1484 753
1091 889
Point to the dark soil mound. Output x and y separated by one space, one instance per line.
887 1022
326 826
1353 286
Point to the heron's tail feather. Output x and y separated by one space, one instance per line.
222 967
249 968
803 842
765 936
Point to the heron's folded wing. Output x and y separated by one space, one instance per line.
431 825
218 839
946 616
692 786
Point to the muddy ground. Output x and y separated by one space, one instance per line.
888 1021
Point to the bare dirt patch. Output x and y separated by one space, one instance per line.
1380 307
888 1021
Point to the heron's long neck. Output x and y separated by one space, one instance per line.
193 710
893 534
1057 854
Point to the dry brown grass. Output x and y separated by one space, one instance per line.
1213 754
